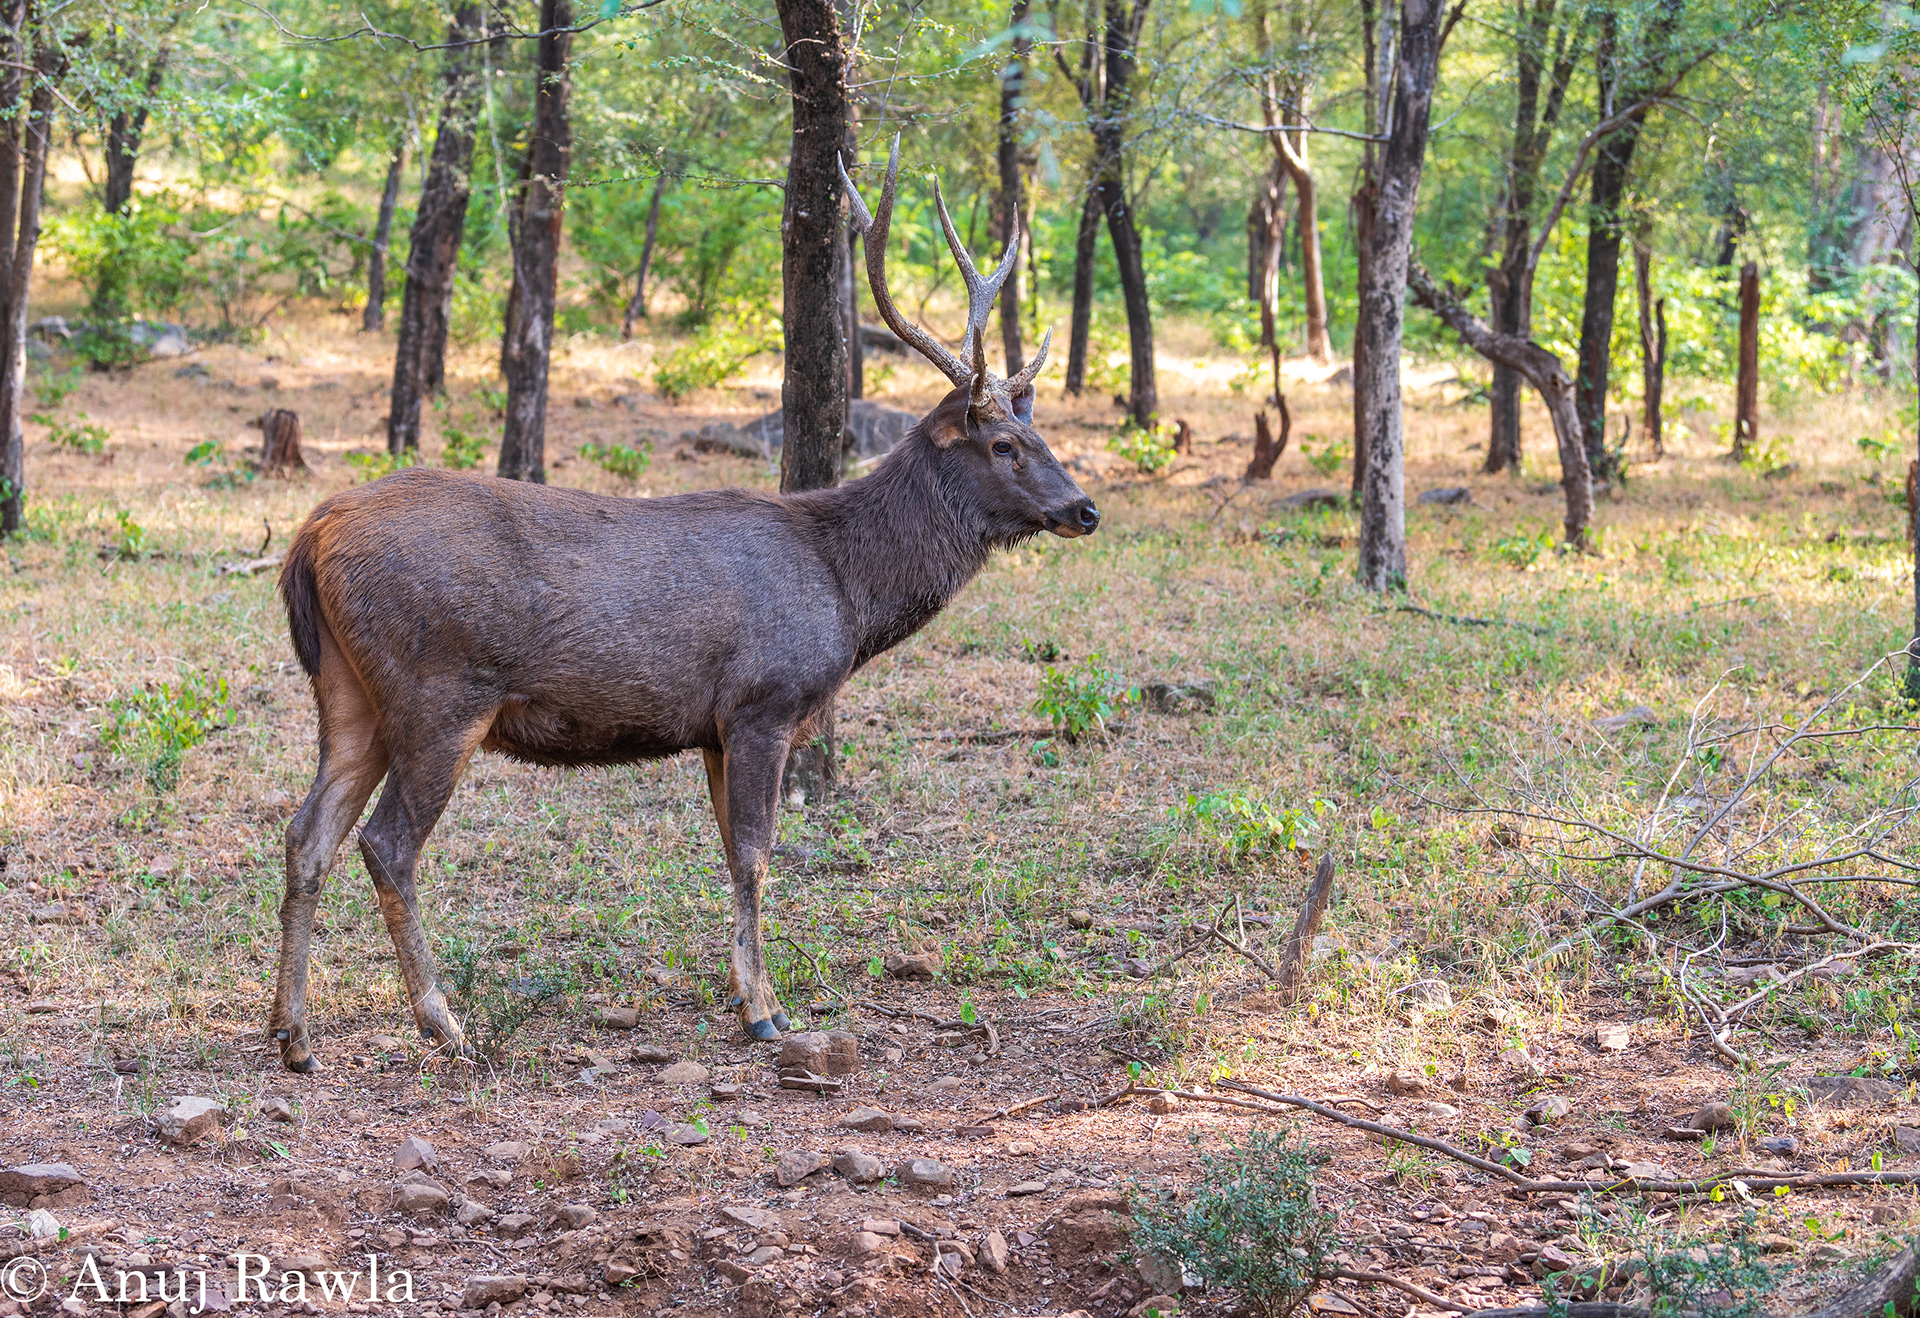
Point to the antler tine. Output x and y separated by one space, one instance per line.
980 291
862 217
874 230
977 399
1031 371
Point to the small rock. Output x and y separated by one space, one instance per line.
616 1018
42 1007
1430 994
276 1109
1137 967
1021 1148
1613 1038
908 1126
1848 1090
1553 1259
686 1136
189 1120
1163 1103
1884 1215
821 1052
1828 1252
1645 1171
858 1167
420 1198
993 1252
808 1082
1780 1146
385 1043
764 1255
881 1226
916 966
414 1153
479 1292
1548 1110
1713 1116
868 1243
684 1073
753 1219
1440 1111
651 1054
1447 495
926 1174
472 1212
1773 1243
512 1226
1079 918
1907 1139
1621 722
870 1120
1407 1084
42 1225
1026 1188
510 1152
1522 1059
796 1166
43 1185
1155 1306
575 1216
732 1271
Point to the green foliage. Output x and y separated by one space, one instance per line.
138 261
1148 450
159 724
1710 1279
1078 700
1523 549
1333 456
1253 1225
372 466
1768 454
77 435
624 462
1243 827
107 346
133 537
50 387
495 1004
722 347
461 451
223 473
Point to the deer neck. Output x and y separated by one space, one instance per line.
901 545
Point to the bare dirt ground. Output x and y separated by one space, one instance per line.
137 930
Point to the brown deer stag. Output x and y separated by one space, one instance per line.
440 614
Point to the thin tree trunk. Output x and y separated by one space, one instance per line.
1080 327
124 131
1539 368
527 352
50 65
850 265
1653 346
1123 25
1267 285
438 226
1913 645
374 318
1362 245
13 447
1290 155
1383 513
1746 415
637 304
1012 192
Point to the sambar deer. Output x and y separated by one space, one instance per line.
439 614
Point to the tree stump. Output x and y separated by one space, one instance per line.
1267 449
280 453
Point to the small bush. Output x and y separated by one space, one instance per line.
1253 1225
223 472
1766 456
108 347
1523 549
1078 700
462 451
1331 457
626 463
494 1004
77 436
133 537
1243 827
372 466
51 388
1148 450
160 724
720 349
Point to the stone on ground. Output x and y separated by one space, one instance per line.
481 1291
414 1153
798 1165
188 1120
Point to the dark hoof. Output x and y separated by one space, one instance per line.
765 1031
307 1064
781 1023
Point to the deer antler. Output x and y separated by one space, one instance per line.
981 292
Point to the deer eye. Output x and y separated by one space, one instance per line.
1003 448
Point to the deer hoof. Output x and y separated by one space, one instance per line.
765 1031
781 1023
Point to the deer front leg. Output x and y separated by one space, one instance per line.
746 791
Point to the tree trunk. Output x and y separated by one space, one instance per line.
527 352
1012 191
1540 369
1081 325
1383 512
1746 414
1124 20
849 272
374 318
1266 279
1653 347
124 131
813 392
1290 156
1266 447
637 305
1913 645
31 142
438 226
1362 244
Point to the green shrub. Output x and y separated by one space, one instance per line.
626 463
50 388
717 351
1523 549
372 466
493 1005
160 724
136 261
223 472
77 436
133 537
108 347
1148 450
461 451
1253 1225
1242 826
1336 455
1078 700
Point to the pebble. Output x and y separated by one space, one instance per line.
821 1052
926 1174
915 966
946 1084
43 1185
1079 918
471 1212
796 1166
1522 1059
859 1167
1161 1104
512 1226
651 1053
908 1125
575 1216
188 1120
419 1198
1431 994
1408 1084
1440 1111
868 1243
1907 1139
385 1043
616 1018
510 1152
413 1153
1713 1116
42 1225
1780 1146
1026 1188
482 1291
993 1251
685 1135
764 1255
881 1226
870 1120
684 1073
1828 1252
1613 1038
276 1109
1021 1148
1548 1110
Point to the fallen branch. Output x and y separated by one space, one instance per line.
1015 1109
1467 620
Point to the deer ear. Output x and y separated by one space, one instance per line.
946 431
1023 406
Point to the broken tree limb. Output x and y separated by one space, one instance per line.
1293 958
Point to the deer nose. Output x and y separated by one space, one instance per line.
1089 517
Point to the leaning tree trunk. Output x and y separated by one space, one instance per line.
1362 245
527 350
25 151
438 227
1539 368
124 131
1080 325
637 305
374 317
813 392
1383 511
1143 396
1746 411
1603 284
1012 199
1653 347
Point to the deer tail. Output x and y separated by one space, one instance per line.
302 596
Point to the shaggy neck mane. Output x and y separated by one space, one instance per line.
900 541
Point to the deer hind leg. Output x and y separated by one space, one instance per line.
352 759
419 784
745 785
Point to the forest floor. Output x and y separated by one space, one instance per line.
138 928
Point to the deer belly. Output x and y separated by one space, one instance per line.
543 733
